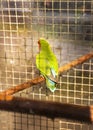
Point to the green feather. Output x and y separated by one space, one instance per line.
46 61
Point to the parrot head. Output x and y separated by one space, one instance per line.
43 44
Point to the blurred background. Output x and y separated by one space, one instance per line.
68 26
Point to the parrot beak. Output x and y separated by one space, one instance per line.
39 44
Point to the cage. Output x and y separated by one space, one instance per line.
68 26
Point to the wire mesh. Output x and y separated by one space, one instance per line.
68 26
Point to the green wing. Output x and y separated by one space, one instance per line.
45 63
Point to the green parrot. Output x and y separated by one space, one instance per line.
47 64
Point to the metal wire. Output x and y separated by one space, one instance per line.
68 26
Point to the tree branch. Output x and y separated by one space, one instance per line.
40 79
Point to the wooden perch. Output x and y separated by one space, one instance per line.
75 62
23 86
46 108
40 79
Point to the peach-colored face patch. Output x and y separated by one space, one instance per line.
39 44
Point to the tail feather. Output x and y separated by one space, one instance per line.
51 85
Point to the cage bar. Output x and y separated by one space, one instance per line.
68 26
